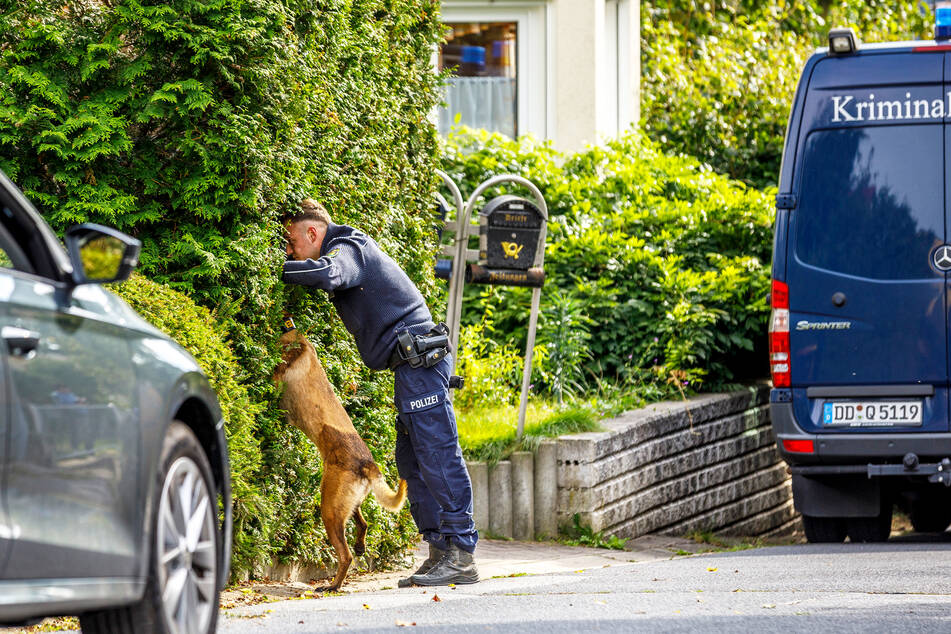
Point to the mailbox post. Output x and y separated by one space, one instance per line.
459 228
512 234
511 252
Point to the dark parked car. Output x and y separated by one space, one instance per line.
114 480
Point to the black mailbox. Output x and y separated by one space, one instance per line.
509 232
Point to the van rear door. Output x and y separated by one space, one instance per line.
868 305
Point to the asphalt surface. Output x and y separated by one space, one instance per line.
904 585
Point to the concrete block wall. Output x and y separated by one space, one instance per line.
706 464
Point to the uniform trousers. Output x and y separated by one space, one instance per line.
429 458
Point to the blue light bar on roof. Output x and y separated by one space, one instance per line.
942 20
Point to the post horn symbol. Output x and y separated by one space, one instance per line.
511 249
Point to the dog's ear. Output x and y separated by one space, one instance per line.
292 350
290 337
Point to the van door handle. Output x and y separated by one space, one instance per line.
20 341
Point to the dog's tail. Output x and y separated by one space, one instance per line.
388 498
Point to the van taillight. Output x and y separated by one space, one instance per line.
799 446
779 335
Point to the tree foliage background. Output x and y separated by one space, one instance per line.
192 125
718 77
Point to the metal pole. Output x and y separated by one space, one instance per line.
457 279
529 352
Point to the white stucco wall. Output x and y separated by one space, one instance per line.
577 83
595 74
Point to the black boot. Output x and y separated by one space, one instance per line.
435 554
456 567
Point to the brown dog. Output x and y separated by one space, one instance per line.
349 470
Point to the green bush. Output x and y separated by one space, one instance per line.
565 335
196 330
668 259
718 78
492 370
192 125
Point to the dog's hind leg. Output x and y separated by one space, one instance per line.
335 524
360 547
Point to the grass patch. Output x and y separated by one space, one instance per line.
580 535
718 543
487 427
488 432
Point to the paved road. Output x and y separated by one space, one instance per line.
899 586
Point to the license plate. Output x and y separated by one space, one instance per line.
871 413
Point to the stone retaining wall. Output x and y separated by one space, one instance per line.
673 467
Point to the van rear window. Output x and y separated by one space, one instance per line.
872 201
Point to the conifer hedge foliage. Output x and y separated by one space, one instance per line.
192 125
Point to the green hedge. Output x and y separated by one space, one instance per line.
665 262
718 77
193 124
196 330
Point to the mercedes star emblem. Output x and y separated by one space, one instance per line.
942 258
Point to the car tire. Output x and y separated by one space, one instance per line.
930 516
824 530
181 594
871 529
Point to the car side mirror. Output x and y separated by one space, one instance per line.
100 254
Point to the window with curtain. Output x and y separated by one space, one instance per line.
481 91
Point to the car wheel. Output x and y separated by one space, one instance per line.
871 529
181 595
930 516
823 530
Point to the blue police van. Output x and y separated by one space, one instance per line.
861 304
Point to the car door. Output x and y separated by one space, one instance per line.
6 532
74 442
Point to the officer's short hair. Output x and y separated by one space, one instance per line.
310 209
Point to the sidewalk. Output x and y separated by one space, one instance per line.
500 558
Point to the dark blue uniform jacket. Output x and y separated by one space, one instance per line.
373 296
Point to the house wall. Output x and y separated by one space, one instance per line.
579 64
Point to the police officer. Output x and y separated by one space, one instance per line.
377 303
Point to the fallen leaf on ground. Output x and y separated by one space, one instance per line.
769 606
366 606
436 597
711 569
402 623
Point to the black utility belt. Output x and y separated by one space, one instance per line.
421 351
